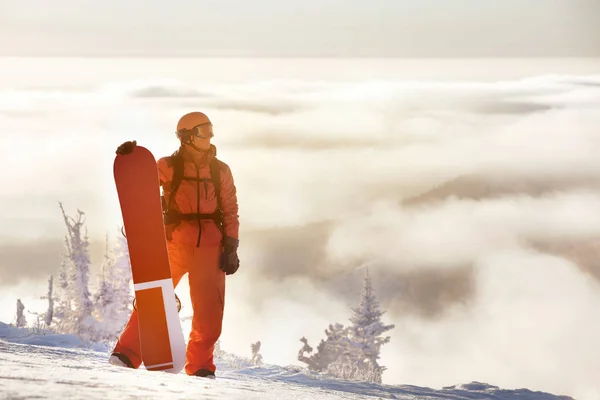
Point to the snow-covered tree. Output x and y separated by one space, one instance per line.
121 274
104 306
256 356
328 350
114 296
75 304
352 352
365 333
44 319
310 361
217 350
63 310
50 311
21 320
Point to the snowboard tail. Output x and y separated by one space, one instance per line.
161 336
158 298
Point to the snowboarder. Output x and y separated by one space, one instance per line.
201 224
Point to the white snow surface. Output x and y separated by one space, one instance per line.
44 366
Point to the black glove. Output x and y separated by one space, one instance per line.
229 259
126 148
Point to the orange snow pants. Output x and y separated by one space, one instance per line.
207 292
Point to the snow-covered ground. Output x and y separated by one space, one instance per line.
62 366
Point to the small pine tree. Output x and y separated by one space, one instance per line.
217 350
256 356
103 300
75 304
310 361
352 352
328 350
365 333
121 276
44 319
63 309
50 311
21 320
114 296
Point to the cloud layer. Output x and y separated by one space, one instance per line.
473 204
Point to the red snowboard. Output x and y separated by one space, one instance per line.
161 336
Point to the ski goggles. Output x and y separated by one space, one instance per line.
202 131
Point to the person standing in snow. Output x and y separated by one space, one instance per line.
201 224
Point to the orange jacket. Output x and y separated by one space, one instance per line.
199 197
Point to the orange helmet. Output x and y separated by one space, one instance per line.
191 120
189 123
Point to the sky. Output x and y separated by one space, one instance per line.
472 201
323 28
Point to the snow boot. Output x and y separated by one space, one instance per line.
205 373
120 360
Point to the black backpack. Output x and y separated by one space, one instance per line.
171 216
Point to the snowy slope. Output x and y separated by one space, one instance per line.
61 366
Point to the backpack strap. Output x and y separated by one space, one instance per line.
215 177
176 161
